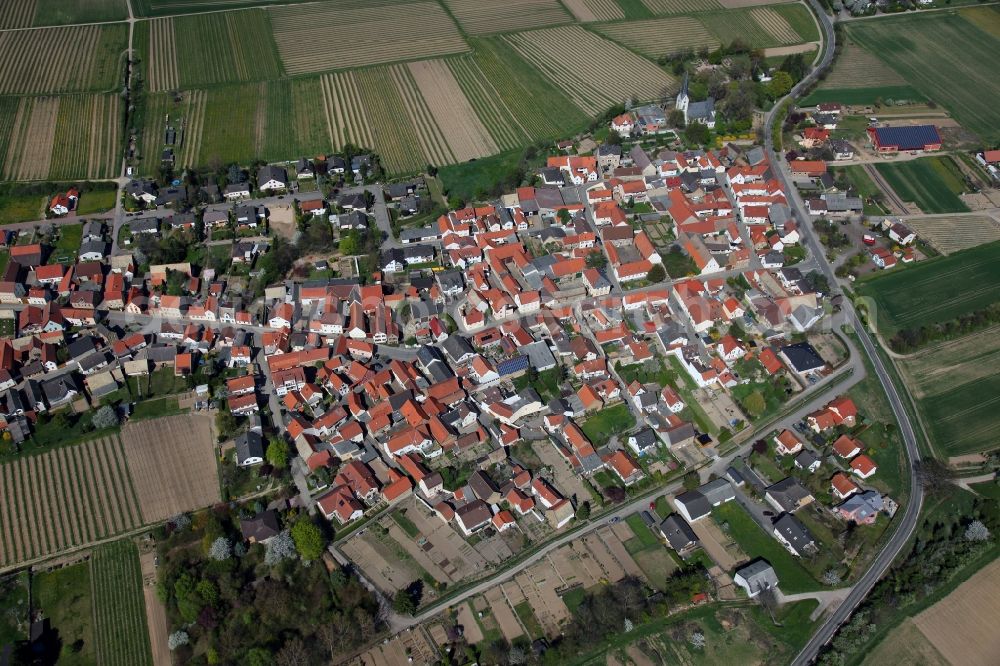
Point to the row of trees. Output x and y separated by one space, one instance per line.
911 339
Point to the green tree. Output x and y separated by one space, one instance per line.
657 273
225 423
583 512
277 453
403 603
596 259
564 215
309 539
755 404
697 134
691 480
780 84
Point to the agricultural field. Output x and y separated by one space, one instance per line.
588 11
488 105
362 35
427 125
165 7
961 626
954 234
173 465
63 498
921 48
933 183
119 611
467 136
94 152
954 385
29 150
28 13
907 645
60 60
762 27
934 291
476 17
660 37
857 68
666 7
221 47
593 72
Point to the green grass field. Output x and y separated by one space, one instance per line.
64 596
226 47
935 290
65 12
933 183
119 607
863 95
599 427
96 201
922 48
792 576
20 207
964 419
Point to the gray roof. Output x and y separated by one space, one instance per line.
450 280
718 491
806 458
249 445
695 504
803 357
456 347
539 355
677 532
271 172
794 532
261 527
645 438
759 575
865 504
419 233
788 492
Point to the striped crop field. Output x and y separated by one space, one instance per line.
119 605
775 24
505 129
8 116
857 68
221 47
664 7
346 119
361 35
593 72
29 152
739 25
478 18
589 11
161 61
16 14
466 134
87 142
394 134
427 127
518 84
67 497
172 7
660 37
74 59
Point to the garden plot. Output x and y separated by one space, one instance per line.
539 584
381 565
362 35
618 550
173 465
564 479
723 550
587 11
466 135
466 618
950 234
445 545
501 606
613 571
71 59
585 560
477 17
563 560
660 37
593 72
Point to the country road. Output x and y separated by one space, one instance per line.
911 512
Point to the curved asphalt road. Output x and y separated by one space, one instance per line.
908 521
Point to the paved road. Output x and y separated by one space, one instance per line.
908 520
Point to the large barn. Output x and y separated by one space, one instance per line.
904 138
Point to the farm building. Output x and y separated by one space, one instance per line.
896 139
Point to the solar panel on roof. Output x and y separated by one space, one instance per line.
908 137
512 365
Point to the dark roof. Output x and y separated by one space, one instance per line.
695 503
677 532
249 445
803 357
788 493
907 137
794 532
261 527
